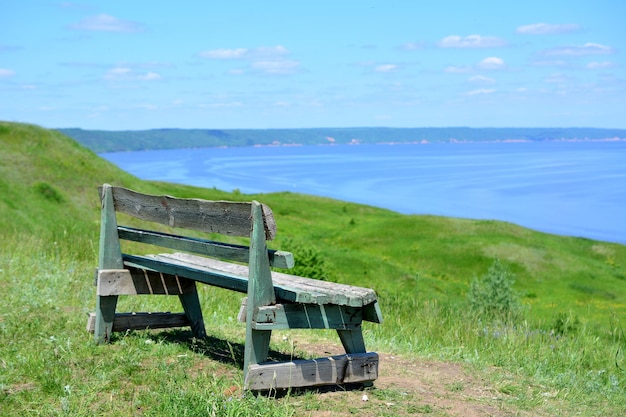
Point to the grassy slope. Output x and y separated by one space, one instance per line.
48 202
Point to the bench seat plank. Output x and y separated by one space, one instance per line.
289 288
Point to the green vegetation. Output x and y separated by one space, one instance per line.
492 296
563 354
135 140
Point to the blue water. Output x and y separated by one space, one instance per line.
568 188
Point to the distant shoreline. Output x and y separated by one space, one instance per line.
356 142
135 140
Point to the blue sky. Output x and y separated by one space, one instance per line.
138 64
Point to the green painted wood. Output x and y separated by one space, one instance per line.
352 340
238 253
260 292
215 278
109 257
372 312
224 217
307 316
142 321
193 312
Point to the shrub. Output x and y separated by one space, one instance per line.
48 192
491 296
308 260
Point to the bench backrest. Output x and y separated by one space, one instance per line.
222 217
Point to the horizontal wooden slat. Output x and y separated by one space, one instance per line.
224 217
142 321
343 369
290 288
238 253
136 282
211 277
307 316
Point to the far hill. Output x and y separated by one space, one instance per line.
133 140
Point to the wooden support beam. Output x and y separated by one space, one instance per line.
304 316
342 369
142 321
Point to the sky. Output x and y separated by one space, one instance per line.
128 65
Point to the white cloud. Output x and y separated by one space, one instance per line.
5 73
277 67
548 28
386 68
492 63
556 78
262 52
457 70
106 23
551 63
237 53
480 91
268 59
150 76
481 79
471 41
265 51
412 46
601 65
586 49
125 74
117 73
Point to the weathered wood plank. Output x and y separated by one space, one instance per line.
221 279
224 217
290 288
109 257
304 316
142 321
343 369
237 253
137 282
260 292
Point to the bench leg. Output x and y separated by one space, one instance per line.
257 348
352 340
193 311
105 315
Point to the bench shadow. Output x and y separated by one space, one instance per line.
232 354
217 349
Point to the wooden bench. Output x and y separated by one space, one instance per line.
274 300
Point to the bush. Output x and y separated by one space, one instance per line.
308 260
491 296
48 192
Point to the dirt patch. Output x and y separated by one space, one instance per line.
418 387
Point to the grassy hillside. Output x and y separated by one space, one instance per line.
569 338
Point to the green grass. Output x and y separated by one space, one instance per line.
564 356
